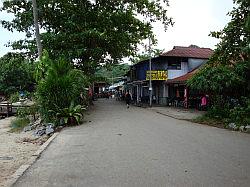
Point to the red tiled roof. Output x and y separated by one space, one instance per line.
183 78
191 52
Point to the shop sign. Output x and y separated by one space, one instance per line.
157 75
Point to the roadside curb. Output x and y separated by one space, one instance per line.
168 115
20 171
171 116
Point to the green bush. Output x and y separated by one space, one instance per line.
241 115
71 115
18 124
22 112
14 97
62 84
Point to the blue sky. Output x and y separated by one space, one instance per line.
194 19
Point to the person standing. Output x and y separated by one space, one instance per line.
204 102
127 99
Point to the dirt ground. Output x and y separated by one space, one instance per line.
15 149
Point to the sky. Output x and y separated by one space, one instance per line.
194 19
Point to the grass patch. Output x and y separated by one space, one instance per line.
18 124
207 120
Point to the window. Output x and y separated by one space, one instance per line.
174 65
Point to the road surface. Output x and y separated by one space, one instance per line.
133 147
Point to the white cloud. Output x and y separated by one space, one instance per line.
194 19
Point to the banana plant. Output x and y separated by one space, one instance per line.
71 115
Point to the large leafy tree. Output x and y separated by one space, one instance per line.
16 73
113 72
226 76
85 31
228 71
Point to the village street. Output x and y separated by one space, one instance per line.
139 147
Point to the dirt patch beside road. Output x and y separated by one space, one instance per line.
15 149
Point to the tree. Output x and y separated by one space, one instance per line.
229 66
145 55
112 72
87 32
37 32
226 75
16 73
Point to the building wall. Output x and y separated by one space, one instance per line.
177 73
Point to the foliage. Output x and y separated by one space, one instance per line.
16 73
112 73
145 56
71 115
218 79
61 85
88 32
226 76
208 120
24 112
18 124
42 67
14 97
241 114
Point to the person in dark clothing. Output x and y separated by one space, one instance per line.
128 99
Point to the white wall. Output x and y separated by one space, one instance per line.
172 73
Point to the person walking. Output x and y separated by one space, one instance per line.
127 99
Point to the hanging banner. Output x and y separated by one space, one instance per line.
157 75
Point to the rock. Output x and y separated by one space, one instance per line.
33 126
242 128
49 128
51 124
27 128
232 126
37 122
236 128
40 130
247 128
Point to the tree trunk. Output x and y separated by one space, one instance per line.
37 33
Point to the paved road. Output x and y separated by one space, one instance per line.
138 147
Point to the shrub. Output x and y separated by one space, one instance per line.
18 124
23 112
71 115
61 85
14 97
241 114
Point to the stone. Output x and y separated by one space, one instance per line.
27 128
242 128
236 128
232 126
247 128
38 122
49 128
40 130
51 124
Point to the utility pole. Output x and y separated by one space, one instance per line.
150 77
37 33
